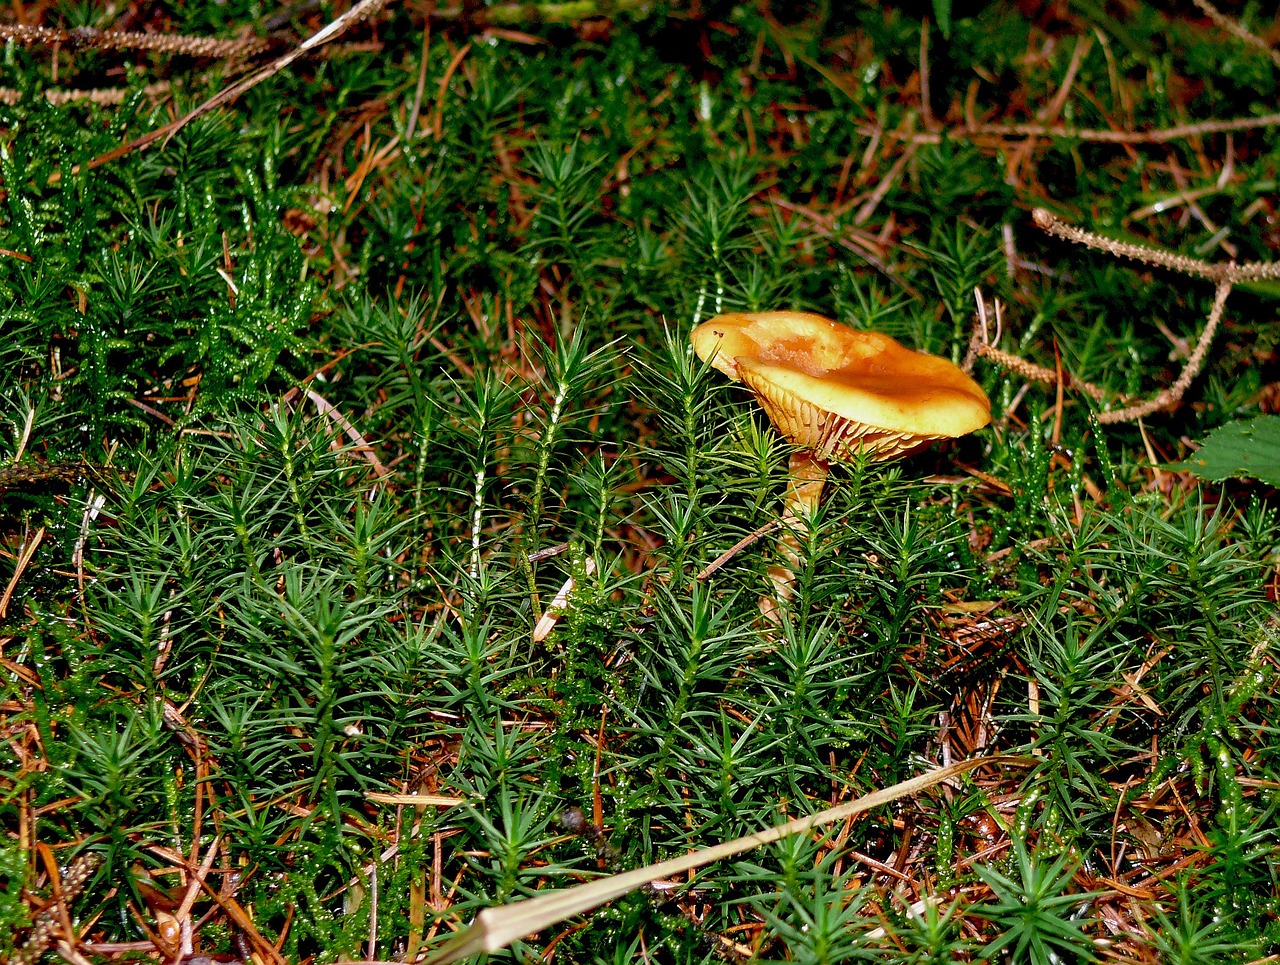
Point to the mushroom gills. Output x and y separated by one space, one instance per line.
831 437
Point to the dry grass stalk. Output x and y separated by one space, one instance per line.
29 547
496 927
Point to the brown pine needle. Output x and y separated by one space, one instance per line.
28 550
737 548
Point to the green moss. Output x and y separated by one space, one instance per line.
316 405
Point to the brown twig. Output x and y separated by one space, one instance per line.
983 345
360 12
1224 275
860 242
1095 135
885 185
1053 110
422 83
1175 392
362 446
66 887
90 38
102 96
737 548
1236 29
1037 373
926 109
1183 264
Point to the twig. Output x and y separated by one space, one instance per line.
1214 271
1095 135
886 183
548 552
1225 275
1183 264
1175 392
565 11
926 111
47 919
91 38
422 83
1236 29
326 408
437 124
860 242
1053 110
559 605
358 13
983 346
91 510
28 423
101 96
1037 373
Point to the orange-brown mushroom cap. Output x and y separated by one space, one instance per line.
838 391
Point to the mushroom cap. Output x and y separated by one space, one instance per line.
839 391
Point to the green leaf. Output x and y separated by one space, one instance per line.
942 13
1239 450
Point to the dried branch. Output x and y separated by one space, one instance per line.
1122 249
1175 392
1037 373
82 38
1224 275
49 918
1184 264
101 96
983 346
1237 29
357 14
1094 135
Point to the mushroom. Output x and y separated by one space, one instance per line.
836 392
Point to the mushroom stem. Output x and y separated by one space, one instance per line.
807 474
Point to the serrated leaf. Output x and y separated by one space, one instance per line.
1239 450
